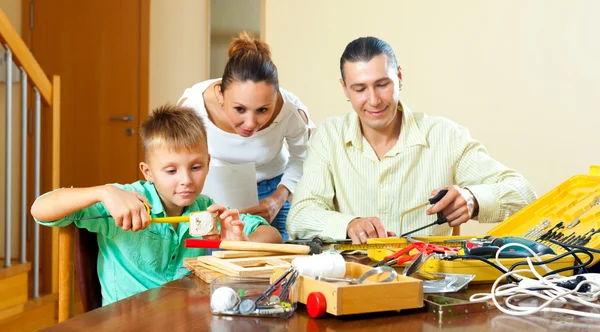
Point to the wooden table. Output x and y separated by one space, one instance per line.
184 305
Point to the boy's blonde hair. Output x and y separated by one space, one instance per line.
174 127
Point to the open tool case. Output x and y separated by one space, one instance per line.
340 298
568 213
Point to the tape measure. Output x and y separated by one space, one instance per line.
369 246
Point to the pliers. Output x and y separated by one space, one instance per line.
427 248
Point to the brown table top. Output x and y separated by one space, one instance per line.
184 305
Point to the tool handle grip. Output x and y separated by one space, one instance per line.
438 197
440 218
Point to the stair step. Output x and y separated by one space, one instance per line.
16 268
32 315
14 285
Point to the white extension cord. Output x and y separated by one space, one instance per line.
544 288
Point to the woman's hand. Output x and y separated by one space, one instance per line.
269 207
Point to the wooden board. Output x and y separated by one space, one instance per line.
246 267
242 254
206 275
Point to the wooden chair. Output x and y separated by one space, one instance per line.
78 255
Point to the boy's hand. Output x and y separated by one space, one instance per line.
232 228
126 208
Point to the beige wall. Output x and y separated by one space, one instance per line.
178 48
227 19
523 76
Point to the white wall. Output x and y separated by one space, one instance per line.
523 76
178 48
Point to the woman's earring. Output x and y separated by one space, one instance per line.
347 99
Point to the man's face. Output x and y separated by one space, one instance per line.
177 175
373 90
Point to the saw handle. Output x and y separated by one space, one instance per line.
440 218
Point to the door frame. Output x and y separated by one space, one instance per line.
47 259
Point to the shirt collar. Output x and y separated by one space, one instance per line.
410 134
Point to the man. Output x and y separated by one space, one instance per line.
366 168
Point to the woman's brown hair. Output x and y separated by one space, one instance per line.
249 60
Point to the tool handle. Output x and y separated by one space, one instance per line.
171 219
438 197
247 245
440 218
284 248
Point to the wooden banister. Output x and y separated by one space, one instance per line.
22 56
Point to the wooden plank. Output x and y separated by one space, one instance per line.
242 254
37 315
13 290
26 306
207 275
16 268
22 56
246 267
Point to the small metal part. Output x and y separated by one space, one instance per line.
274 299
247 306
379 270
348 280
573 223
263 312
446 306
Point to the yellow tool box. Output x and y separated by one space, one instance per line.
569 213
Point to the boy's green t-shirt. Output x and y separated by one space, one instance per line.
128 262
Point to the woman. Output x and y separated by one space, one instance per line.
248 117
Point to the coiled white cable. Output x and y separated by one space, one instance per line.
546 289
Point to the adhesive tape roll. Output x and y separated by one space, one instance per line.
224 299
329 265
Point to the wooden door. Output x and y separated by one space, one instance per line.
100 51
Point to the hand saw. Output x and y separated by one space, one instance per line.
440 218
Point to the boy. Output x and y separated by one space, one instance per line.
135 254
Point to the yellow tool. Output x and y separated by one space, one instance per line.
201 222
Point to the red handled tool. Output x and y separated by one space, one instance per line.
427 248
246 245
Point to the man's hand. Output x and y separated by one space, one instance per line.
361 229
232 228
126 208
457 206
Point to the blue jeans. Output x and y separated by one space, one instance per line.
266 188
